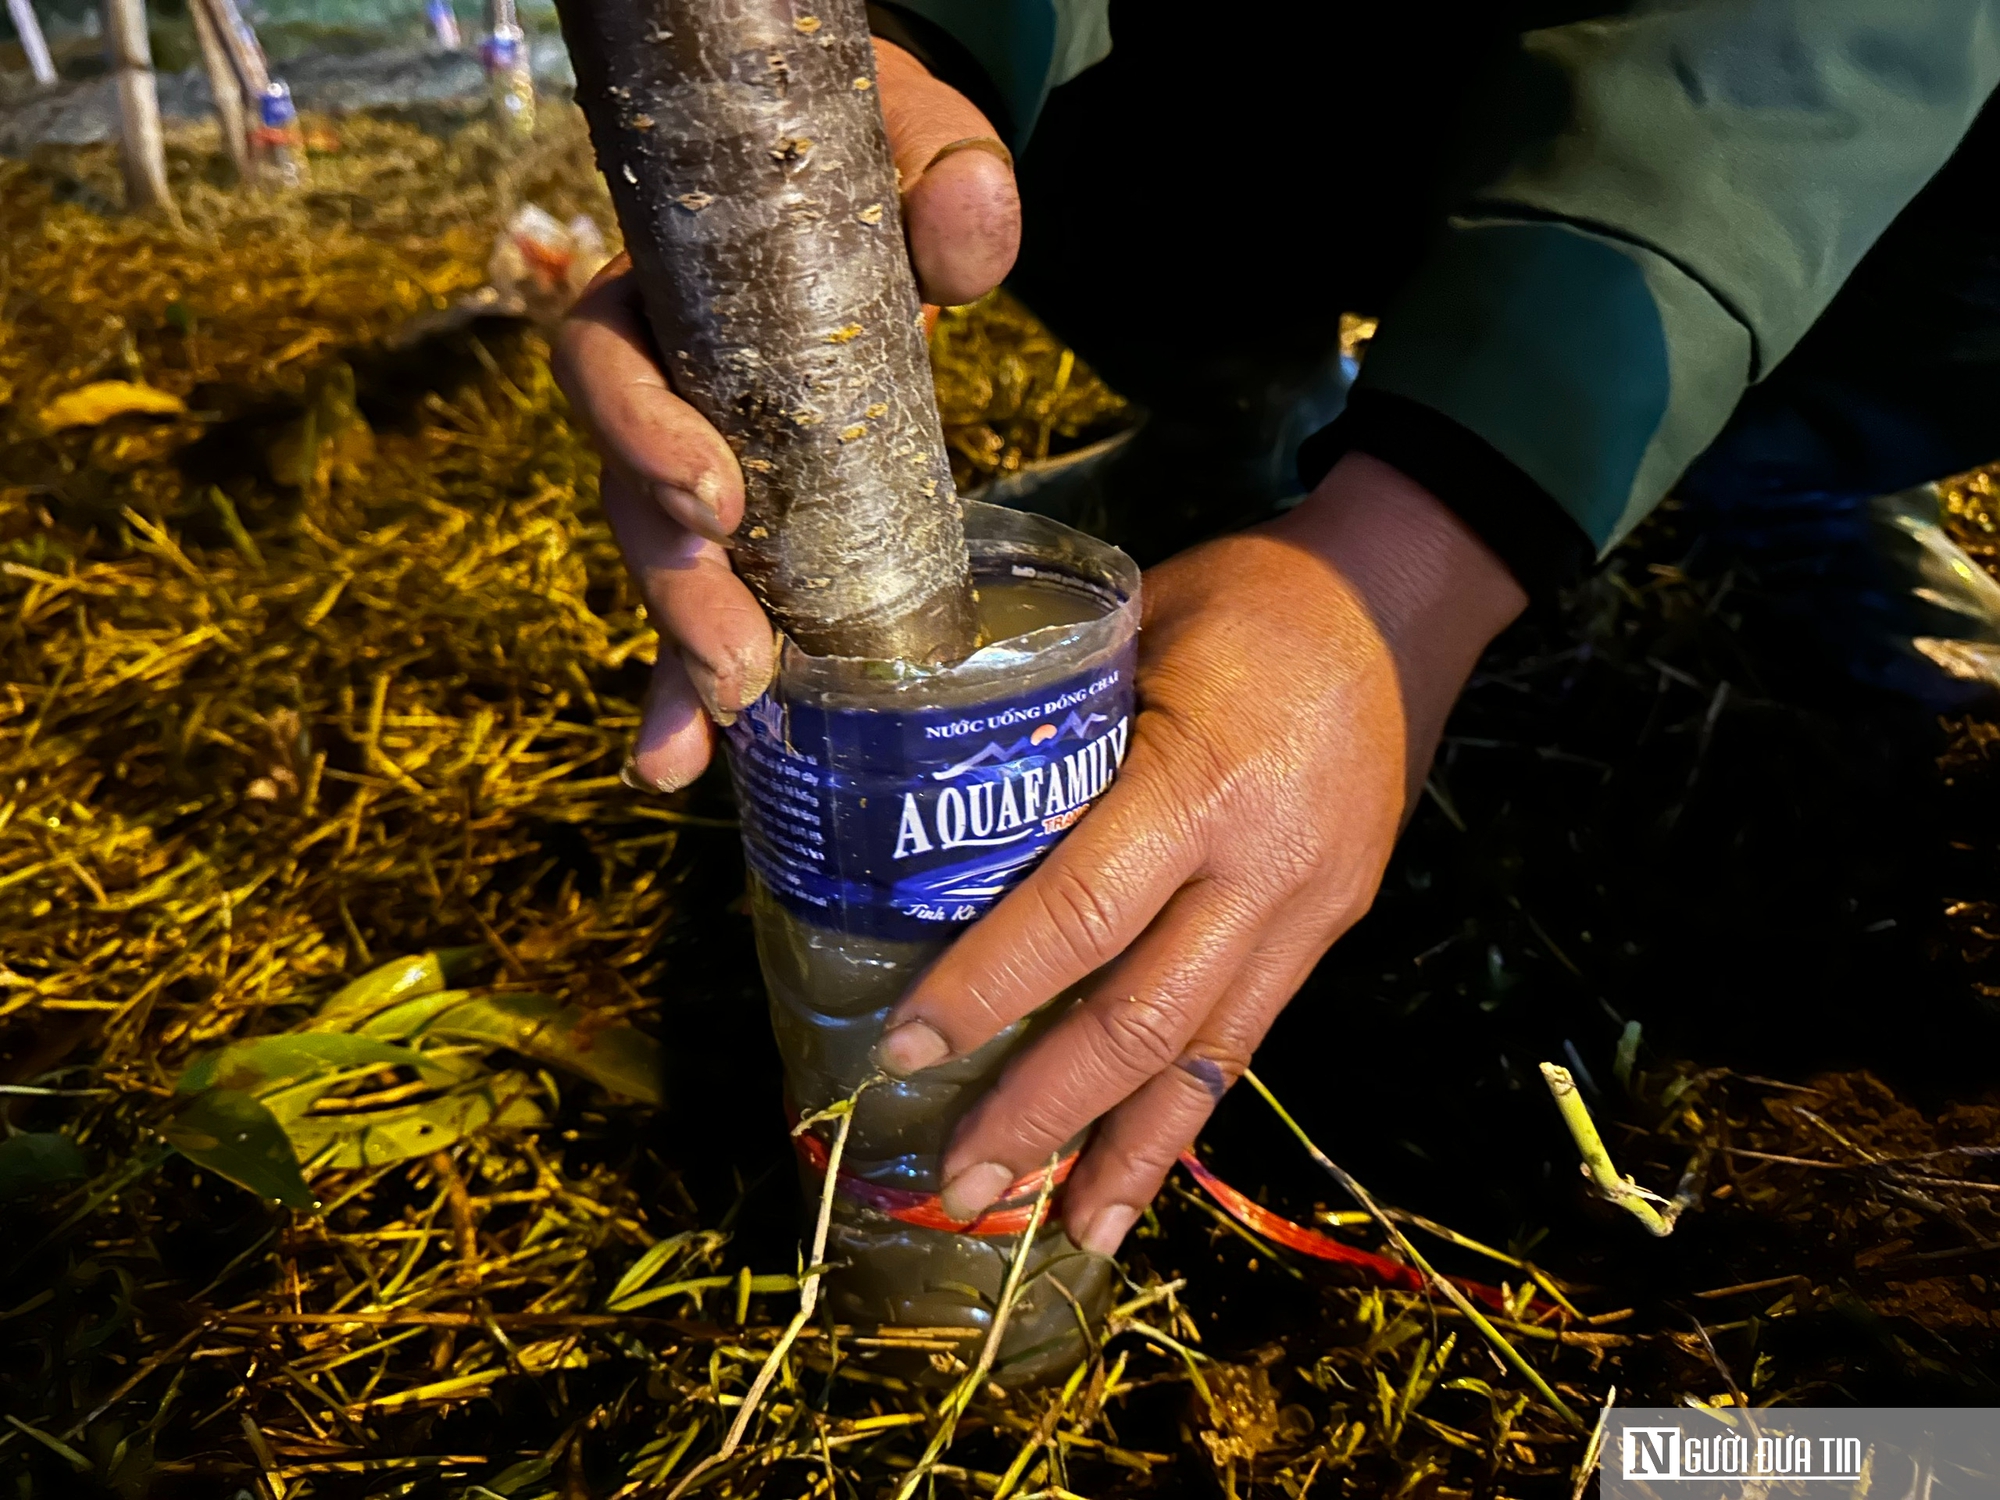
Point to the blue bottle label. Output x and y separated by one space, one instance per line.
910 825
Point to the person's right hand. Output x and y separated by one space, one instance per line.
671 488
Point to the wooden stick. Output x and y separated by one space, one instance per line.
224 85
143 146
29 29
746 153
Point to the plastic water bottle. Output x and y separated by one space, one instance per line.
279 144
511 79
444 24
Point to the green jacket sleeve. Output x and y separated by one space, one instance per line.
1026 47
1679 192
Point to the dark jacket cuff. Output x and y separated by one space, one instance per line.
946 57
1515 517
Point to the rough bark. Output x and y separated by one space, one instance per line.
143 148
224 84
29 29
744 146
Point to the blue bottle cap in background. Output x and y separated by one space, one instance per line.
276 109
502 51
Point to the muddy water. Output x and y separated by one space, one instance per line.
1010 607
829 992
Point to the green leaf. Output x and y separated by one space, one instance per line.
407 1018
649 1265
234 1136
399 979
54 1444
265 1063
375 1137
618 1058
29 1163
1627 1054
519 1476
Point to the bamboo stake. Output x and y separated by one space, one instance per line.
143 146
1597 1166
29 29
224 84
746 153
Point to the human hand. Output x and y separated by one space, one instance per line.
671 488
1293 680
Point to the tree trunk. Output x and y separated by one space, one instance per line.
143 146
33 42
225 85
246 54
745 151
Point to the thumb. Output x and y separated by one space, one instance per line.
960 207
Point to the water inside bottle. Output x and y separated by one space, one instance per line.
829 992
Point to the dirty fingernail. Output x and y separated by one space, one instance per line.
757 667
722 705
965 1196
910 1048
985 144
1107 1229
695 508
633 777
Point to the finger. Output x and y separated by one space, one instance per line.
1095 892
606 366
1136 1144
696 603
674 739
1138 1019
961 209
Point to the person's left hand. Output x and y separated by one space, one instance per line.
671 488
1292 682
